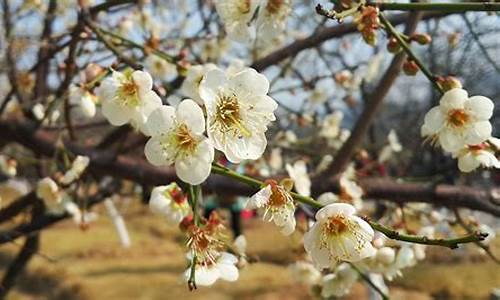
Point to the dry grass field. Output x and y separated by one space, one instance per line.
75 264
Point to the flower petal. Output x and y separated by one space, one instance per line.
477 133
481 107
453 99
143 81
195 168
157 154
116 114
334 209
433 122
250 81
190 113
209 87
161 121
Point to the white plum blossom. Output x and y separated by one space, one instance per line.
84 99
350 191
338 235
339 283
330 127
276 160
128 98
194 76
301 180
78 166
48 190
236 16
238 112
305 272
272 18
169 201
392 146
224 267
278 206
472 157
177 138
458 120
159 67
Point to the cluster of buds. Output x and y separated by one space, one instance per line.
368 22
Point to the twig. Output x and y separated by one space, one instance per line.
449 243
392 32
370 282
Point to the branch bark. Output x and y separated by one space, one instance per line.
138 170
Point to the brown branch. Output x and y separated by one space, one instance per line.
138 170
323 35
343 157
29 249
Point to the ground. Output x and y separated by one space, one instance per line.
91 264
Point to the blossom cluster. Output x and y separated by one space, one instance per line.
236 104
460 125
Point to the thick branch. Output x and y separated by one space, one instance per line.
138 170
323 35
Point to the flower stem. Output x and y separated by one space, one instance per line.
194 192
401 41
370 282
443 7
449 243
390 233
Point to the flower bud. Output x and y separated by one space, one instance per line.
92 71
410 67
385 255
449 82
393 46
421 38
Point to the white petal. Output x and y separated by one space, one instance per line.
289 226
453 99
209 87
481 107
433 121
87 105
204 276
252 147
116 114
334 209
467 163
158 203
161 121
250 81
478 133
450 141
157 154
190 113
260 198
143 81
195 168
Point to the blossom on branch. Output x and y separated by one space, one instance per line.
177 138
338 235
278 206
238 112
128 98
458 120
169 201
